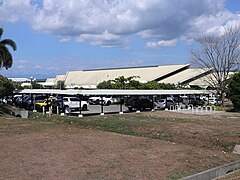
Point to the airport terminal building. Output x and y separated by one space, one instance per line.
175 74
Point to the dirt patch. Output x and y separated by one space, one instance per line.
50 148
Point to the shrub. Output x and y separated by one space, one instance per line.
6 86
234 90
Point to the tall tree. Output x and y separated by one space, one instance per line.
6 59
220 53
234 90
126 83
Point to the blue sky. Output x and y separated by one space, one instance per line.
55 36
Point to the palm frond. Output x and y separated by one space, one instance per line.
6 59
1 32
9 42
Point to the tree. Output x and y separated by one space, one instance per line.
60 85
105 85
120 83
36 85
6 86
6 59
219 53
156 85
234 90
130 83
125 83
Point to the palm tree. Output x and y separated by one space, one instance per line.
6 59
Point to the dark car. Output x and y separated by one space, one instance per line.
194 101
138 103
27 101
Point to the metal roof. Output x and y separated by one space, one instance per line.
50 80
207 80
186 76
20 79
105 92
94 77
59 78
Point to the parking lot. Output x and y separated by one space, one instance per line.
95 102
96 109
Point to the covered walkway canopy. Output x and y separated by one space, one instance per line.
110 92
105 92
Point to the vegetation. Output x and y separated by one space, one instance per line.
178 174
193 143
162 127
60 85
6 86
120 83
36 85
219 53
155 85
130 83
6 59
234 90
17 85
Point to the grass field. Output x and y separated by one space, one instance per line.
149 145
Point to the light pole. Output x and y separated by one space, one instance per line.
31 78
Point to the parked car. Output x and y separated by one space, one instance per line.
138 103
195 101
168 97
107 100
27 101
39 104
214 101
163 103
71 104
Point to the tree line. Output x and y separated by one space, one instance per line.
122 82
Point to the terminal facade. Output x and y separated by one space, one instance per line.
174 74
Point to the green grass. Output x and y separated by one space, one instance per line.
226 146
178 174
145 125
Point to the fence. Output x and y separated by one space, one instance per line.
192 109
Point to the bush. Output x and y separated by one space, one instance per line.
6 86
234 90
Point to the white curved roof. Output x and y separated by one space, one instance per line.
59 78
207 80
187 75
94 77
49 82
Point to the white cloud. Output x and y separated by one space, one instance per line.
21 61
65 39
21 67
15 10
170 43
37 67
215 23
107 23
105 39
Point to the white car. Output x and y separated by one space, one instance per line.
163 103
94 100
104 100
71 104
214 101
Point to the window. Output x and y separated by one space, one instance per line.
74 99
65 99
